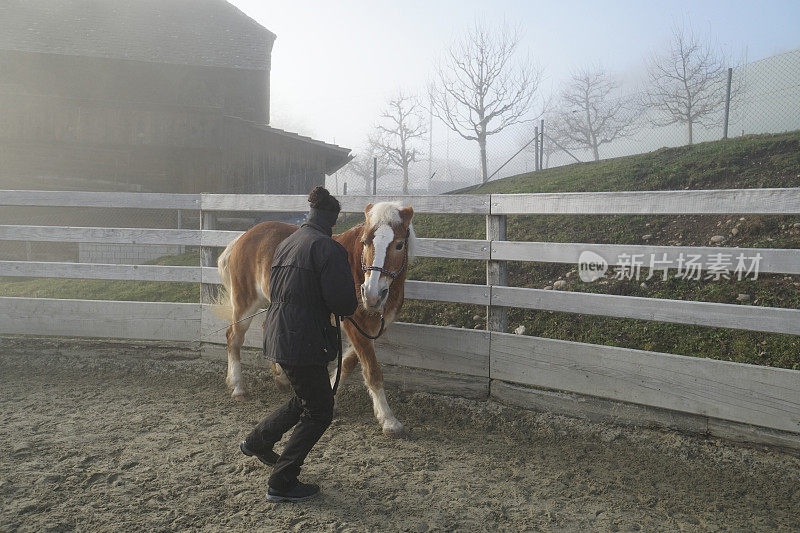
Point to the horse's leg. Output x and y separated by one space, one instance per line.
349 362
373 378
281 381
235 335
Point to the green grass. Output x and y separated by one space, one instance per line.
97 289
745 162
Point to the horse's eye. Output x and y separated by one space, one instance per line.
399 246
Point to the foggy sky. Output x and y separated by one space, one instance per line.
335 63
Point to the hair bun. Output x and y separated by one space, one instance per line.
318 196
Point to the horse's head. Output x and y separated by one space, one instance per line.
388 241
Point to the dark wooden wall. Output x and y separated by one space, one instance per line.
240 92
99 124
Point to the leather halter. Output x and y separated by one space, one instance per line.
382 270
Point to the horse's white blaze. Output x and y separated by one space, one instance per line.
374 283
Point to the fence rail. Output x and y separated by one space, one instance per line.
773 261
704 202
746 394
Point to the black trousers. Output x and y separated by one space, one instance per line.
311 410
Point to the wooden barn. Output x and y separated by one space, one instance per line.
145 95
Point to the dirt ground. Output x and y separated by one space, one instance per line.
108 437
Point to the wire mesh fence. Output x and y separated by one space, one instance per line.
765 98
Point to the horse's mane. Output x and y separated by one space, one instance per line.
389 213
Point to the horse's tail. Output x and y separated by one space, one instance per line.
222 305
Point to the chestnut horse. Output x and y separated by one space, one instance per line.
378 250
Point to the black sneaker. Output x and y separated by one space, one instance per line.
299 493
269 458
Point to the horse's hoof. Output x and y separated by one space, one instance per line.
239 397
394 431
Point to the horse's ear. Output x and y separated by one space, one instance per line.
366 210
406 214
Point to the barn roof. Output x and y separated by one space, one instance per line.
335 156
193 32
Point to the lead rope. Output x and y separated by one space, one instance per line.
339 355
240 320
364 333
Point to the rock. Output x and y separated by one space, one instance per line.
476 317
568 275
478 327
643 285
647 237
548 287
520 331
560 284
743 297
734 232
741 219
717 239
796 225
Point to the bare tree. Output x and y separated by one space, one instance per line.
394 138
591 113
361 167
479 89
687 83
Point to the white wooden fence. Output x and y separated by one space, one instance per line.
716 397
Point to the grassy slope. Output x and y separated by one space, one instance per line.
749 162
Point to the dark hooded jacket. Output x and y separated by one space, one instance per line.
309 280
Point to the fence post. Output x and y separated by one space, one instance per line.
727 104
208 220
536 148
496 273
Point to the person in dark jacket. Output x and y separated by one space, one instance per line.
310 279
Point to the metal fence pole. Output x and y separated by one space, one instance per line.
374 176
536 149
541 145
727 104
496 273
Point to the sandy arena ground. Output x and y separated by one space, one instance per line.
107 437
